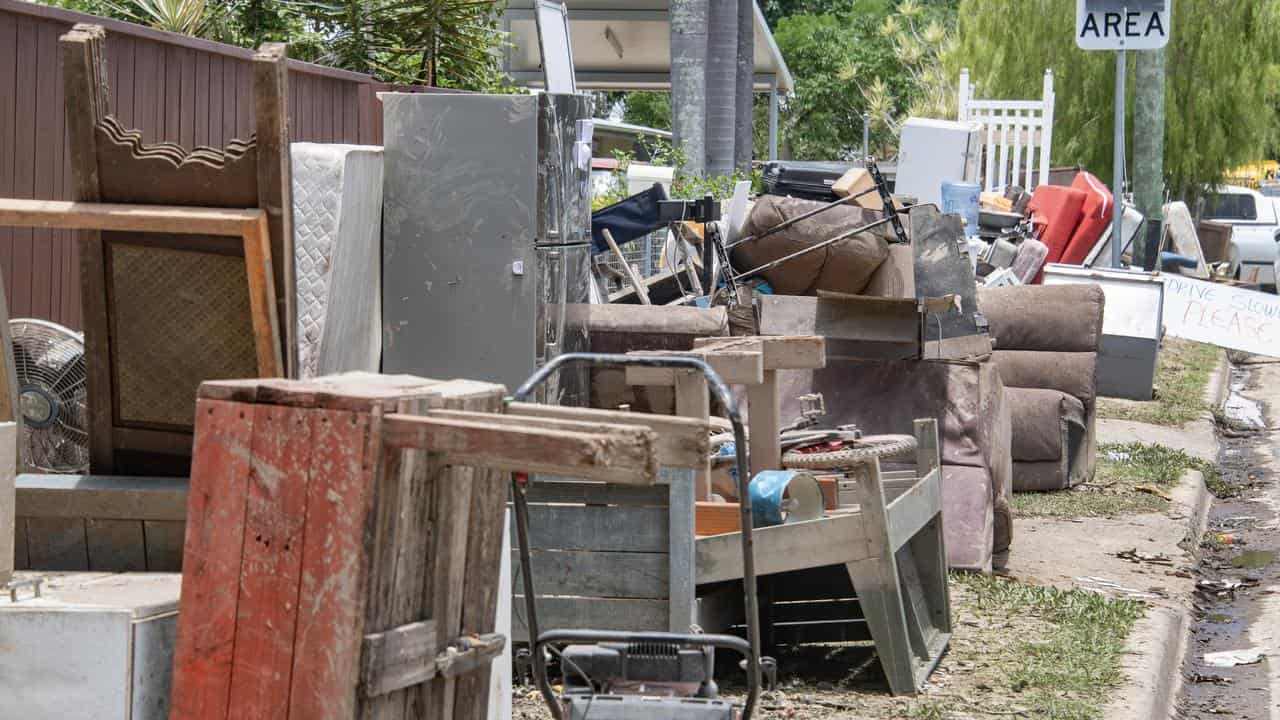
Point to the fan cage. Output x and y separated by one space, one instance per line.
49 364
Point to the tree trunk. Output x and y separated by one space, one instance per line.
722 83
689 21
1148 150
744 137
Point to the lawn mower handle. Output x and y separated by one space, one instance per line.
520 502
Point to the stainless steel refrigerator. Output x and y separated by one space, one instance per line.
486 236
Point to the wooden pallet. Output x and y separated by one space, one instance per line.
344 543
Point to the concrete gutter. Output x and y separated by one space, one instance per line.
1157 648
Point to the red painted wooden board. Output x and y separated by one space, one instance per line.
275 515
331 604
211 560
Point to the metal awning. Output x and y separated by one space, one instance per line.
623 45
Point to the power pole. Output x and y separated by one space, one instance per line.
722 85
744 134
1148 151
689 21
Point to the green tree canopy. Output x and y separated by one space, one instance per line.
1223 80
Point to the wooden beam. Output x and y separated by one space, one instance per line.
275 180
684 449
736 367
397 658
624 457
68 215
787 352
262 293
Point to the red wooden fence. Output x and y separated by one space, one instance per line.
170 87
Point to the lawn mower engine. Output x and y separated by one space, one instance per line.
641 681
665 669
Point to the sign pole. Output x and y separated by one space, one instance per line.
1117 186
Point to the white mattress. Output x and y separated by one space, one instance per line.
337 220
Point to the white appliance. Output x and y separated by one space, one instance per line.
90 646
1131 326
933 151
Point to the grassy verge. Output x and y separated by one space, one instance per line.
1036 651
1114 490
1182 371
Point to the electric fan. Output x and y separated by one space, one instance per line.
49 362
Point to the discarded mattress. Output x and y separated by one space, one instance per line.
1183 239
337 216
845 266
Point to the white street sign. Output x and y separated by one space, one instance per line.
1122 24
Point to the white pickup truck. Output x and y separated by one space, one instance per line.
1254 235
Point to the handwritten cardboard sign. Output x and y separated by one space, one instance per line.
1222 315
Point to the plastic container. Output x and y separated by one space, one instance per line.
962 198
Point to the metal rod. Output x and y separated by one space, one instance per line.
866 135
721 392
847 234
1117 189
803 216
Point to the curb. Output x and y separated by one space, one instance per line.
1154 653
1219 385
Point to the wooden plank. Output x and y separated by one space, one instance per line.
853 318
763 421
596 574
736 367
8 123
578 492
451 520
116 545
164 544
683 608
792 352
832 540
171 57
200 96
482 570
672 450
623 457
84 106
615 529
134 218
261 283
21 558
212 561
331 601
591 614
912 510
101 497
57 544
24 167
397 658
679 438
693 400
47 143
271 123
270 573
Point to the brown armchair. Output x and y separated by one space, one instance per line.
1046 339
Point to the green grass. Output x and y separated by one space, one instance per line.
1113 490
1182 372
1040 652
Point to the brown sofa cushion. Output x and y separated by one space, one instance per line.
1073 373
844 267
1037 415
1044 317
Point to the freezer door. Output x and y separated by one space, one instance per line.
564 170
459 273
564 277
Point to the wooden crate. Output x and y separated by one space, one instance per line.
342 551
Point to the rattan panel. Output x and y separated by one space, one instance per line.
177 318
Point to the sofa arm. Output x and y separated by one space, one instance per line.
1074 373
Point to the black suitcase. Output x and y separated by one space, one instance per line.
810 180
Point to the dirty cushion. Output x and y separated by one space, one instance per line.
845 266
1044 317
1037 415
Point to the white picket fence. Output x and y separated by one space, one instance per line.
1019 135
